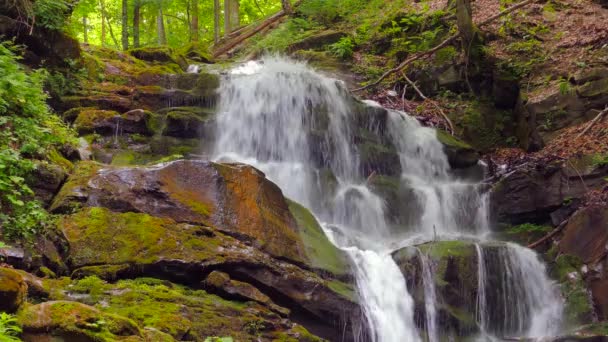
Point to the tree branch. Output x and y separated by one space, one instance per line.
548 236
598 118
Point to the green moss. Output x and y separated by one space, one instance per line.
170 308
82 173
133 238
579 307
451 141
445 249
88 119
71 318
107 272
124 158
321 253
56 158
346 290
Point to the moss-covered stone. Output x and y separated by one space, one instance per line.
90 121
72 320
579 306
320 252
13 290
173 312
71 194
459 153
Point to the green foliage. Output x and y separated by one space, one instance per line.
27 131
279 39
527 228
322 11
51 14
343 48
9 328
219 339
599 160
564 86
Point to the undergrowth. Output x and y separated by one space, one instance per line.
29 133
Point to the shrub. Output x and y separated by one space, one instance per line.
343 48
28 131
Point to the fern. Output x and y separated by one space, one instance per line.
9 328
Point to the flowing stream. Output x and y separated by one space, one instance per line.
302 130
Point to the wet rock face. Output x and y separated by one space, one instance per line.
13 290
222 226
235 198
455 280
536 193
585 237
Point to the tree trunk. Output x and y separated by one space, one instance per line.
286 6
125 24
235 20
105 15
216 21
160 27
103 29
465 22
227 9
85 29
136 19
194 26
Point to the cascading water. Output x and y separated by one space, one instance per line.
298 127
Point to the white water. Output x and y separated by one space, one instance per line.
430 297
272 116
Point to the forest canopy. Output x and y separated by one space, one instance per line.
128 24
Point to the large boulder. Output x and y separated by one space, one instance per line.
13 290
72 321
184 219
586 234
118 245
535 191
454 265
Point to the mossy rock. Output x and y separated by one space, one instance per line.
13 290
579 305
459 153
174 312
71 194
184 123
95 121
320 252
154 54
72 321
197 52
379 158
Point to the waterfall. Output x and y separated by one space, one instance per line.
300 129
430 297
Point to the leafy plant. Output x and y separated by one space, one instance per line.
9 328
564 86
528 228
28 131
343 48
600 160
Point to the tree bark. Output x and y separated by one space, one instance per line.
136 20
103 29
105 16
125 24
160 27
235 20
216 21
227 9
85 29
231 16
286 6
194 27
464 21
